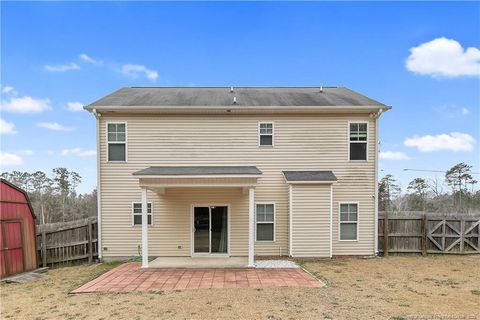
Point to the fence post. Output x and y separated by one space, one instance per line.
44 249
90 246
424 234
385 233
462 234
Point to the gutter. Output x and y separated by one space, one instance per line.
236 108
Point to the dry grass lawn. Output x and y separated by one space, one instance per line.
439 287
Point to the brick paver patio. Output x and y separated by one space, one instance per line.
130 277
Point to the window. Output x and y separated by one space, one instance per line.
348 221
117 141
137 213
265 222
358 141
265 133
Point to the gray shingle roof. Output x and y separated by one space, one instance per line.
309 176
198 170
245 96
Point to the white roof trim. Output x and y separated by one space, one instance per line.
310 182
236 108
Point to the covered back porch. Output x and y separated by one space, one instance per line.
204 216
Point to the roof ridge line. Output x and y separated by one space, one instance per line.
228 87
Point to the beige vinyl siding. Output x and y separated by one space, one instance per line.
171 232
311 220
303 142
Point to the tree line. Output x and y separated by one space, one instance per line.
54 198
431 195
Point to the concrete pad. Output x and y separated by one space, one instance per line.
199 262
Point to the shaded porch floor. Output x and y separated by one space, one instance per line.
130 277
199 262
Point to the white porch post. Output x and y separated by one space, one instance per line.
144 229
251 227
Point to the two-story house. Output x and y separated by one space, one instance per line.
237 172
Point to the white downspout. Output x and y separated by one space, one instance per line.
376 180
144 228
331 220
251 227
99 203
290 218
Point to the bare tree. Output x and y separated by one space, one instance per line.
41 185
388 189
55 199
458 177
418 188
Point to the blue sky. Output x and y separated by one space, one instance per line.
55 55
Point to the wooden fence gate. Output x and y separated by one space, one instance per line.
414 232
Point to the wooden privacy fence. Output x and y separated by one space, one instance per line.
68 243
425 233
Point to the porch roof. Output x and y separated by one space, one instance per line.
158 178
199 171
316 176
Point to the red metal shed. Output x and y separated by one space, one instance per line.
17 231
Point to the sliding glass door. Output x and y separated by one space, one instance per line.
210 230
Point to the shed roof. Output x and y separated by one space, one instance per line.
198 171
25 194
159 97
309 176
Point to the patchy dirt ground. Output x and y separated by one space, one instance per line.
439 287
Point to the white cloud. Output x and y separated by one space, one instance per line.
393 155
135 70
455 141
54 126
9 90
78 152
26 152
62 67
444 57
7 127
452 110
10 159
25 104
75 106
87 58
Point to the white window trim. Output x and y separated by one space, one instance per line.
349 222
267 222
273 134
115 142
139 214
348 140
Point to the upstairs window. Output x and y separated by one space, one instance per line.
137 213
358 141
117 141
265 134
349 221
265 222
